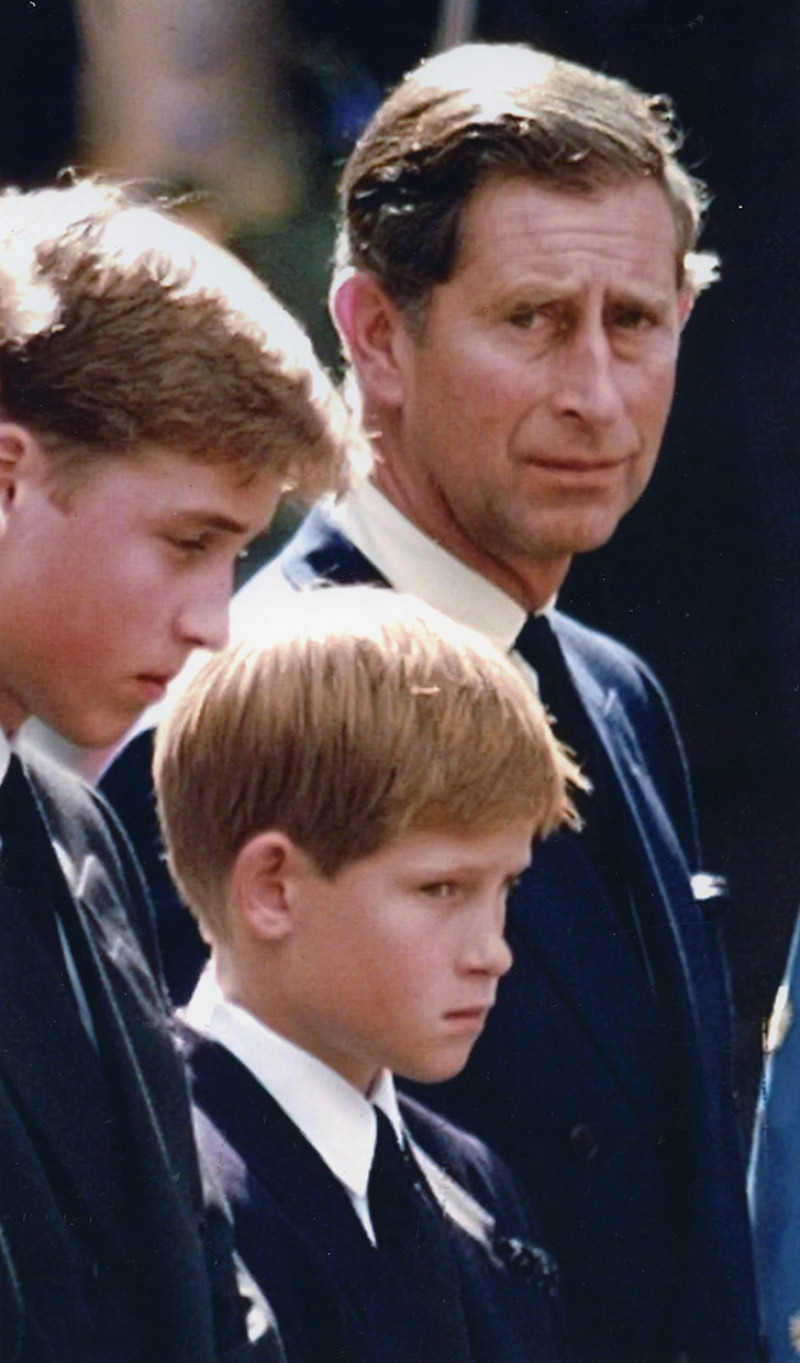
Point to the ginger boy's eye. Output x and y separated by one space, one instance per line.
439 889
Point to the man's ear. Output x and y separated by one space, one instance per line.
686 299
374 335
260 880
17 449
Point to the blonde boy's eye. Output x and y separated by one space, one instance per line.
190 544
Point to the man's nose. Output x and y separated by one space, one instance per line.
587 384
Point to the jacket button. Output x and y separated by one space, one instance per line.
583 1142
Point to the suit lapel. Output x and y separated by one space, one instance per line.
600 978
158 1180
280 1158
51 1065
104 1122
674 926
674 917
560 918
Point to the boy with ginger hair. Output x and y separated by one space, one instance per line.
347 802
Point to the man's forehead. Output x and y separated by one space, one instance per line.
514 223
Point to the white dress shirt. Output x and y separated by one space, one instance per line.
335 1118
412 562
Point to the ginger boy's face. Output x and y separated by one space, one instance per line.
395 961
104 595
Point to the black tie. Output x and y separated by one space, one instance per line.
605 837
412 1238
538 645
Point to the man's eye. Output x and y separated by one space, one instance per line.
634 319
524 317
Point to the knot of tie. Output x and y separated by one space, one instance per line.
538 645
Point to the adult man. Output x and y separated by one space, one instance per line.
155 401
516 261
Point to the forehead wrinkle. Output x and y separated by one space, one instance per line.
531 229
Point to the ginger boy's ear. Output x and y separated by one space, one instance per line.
262 873
374 335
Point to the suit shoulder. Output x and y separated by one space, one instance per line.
79 818
605 653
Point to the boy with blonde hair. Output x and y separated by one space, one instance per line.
155 401
347 802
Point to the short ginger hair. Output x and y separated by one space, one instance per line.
504 110
122 327
358 717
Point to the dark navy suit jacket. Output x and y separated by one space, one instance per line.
107 1252
299 1236
613 1107
775 1171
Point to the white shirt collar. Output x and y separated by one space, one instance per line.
5 754
412 562
333 1116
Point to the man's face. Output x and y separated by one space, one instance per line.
534 402
103 596
395 961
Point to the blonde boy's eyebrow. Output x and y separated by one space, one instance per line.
211 520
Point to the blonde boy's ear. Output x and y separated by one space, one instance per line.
259 882
374 335
17 448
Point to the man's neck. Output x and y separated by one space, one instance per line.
531 583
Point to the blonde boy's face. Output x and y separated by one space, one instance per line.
395 961
103 597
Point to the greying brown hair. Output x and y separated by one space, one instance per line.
485 110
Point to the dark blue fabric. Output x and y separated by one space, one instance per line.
775 1171
108 1255
335 1295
